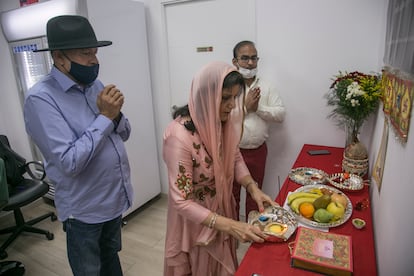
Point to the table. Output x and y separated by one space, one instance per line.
273 259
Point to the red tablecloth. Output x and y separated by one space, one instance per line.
272 259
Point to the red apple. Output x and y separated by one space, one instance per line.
340 198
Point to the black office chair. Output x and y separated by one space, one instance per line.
7 268
21 195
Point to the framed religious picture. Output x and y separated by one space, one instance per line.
388 83
378 169
406 107
398 100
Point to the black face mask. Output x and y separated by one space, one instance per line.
84 74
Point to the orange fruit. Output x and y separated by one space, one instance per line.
306 209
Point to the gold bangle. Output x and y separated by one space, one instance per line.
213 221
248 184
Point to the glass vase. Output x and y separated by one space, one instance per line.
351 135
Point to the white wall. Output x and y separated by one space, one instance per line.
393 217
301 44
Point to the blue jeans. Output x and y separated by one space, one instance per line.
93 248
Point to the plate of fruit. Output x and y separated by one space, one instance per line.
319 206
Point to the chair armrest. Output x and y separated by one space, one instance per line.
36 170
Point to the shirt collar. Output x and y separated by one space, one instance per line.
64 81
256 80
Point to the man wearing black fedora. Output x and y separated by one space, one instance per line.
77 124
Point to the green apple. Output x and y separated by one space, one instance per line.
337 209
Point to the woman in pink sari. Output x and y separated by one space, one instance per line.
203 158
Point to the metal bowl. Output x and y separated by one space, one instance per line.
308 176
348 182
278 223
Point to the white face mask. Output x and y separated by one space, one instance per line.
248 73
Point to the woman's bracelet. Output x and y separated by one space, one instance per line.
251 182
213 221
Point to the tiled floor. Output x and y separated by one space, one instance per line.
142 237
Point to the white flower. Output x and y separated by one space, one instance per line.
354 86
354 102
354 90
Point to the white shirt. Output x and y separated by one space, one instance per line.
256 124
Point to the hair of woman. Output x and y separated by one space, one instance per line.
233 78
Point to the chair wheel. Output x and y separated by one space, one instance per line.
3 255
53 217
50 236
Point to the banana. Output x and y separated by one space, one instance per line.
293 196
298 201
316 191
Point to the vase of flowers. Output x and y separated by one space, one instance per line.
354 96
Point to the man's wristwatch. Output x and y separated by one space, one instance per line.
117 119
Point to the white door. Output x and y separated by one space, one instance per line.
202 31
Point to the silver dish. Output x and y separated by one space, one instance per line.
308 176
351 183
274 217
301 219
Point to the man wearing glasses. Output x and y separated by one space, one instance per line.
263 105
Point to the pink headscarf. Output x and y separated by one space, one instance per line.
220 140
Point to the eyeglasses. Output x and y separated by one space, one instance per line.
245 59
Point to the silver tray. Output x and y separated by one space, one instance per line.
308 176
274 216
301 219
351 183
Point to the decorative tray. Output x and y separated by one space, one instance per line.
346 181
308 176
278 223
311 221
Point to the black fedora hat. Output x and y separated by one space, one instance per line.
71 32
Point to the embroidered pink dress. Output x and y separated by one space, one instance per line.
201 173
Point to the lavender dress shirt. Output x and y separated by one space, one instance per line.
84 154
